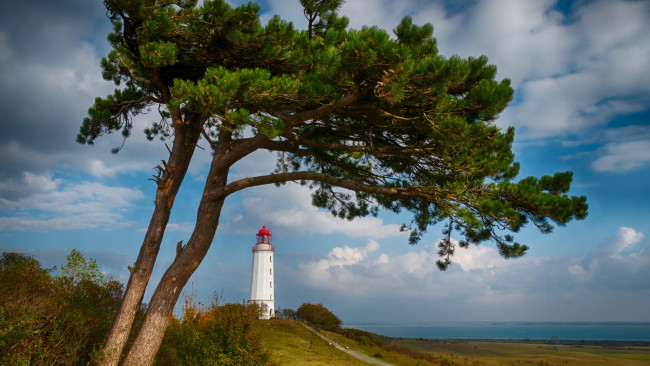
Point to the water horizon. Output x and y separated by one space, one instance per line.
515 330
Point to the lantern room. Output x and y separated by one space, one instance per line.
263 236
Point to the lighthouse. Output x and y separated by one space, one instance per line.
262 275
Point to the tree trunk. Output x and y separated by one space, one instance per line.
146 345
185 140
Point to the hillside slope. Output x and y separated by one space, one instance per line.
292 344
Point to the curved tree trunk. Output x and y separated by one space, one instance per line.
146 345
173 173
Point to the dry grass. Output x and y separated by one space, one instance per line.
494 353
292 344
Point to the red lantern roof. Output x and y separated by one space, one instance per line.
263 231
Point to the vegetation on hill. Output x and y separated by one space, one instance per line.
291 344
213 335
319 316
46 320
412 352
322 318
62 319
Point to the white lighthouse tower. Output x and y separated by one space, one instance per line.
262 275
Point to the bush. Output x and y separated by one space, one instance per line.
320 317
53 321
285 313
213 335
363 337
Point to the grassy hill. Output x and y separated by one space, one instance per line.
292 344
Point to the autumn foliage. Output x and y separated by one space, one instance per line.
46 320
213 335
319 316
62 319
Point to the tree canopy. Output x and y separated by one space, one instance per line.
367 119
386 117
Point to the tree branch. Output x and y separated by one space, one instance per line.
382 112
260 140
413 192
293 141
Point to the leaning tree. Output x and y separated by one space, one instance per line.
367 120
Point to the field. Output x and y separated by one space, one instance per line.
496 353
292 344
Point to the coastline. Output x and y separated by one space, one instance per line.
611 331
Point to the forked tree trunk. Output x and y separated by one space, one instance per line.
146 345
185 140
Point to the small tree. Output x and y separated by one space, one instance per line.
319 316
79 269
366 120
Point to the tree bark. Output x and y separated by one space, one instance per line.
146 345
173 173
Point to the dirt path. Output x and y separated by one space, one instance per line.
352 353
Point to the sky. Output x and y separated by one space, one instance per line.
581 71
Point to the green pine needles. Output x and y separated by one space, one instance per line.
367 119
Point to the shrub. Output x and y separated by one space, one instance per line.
213 335
53 321
363 337
320 317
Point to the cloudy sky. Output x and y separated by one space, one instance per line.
581 70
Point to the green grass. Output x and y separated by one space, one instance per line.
292 344
392 358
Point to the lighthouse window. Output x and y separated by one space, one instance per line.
271 271
270 259
271 283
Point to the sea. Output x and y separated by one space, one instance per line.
618 331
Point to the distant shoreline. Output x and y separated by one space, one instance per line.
563 342
613 331
504 323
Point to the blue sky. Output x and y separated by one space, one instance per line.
581 71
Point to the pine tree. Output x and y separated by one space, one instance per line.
366 120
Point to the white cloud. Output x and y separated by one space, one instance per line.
54 204
479 276
288 209
571 76
573 73
98 168
339 257
28 183
620 157
479 257
617 251
184 227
